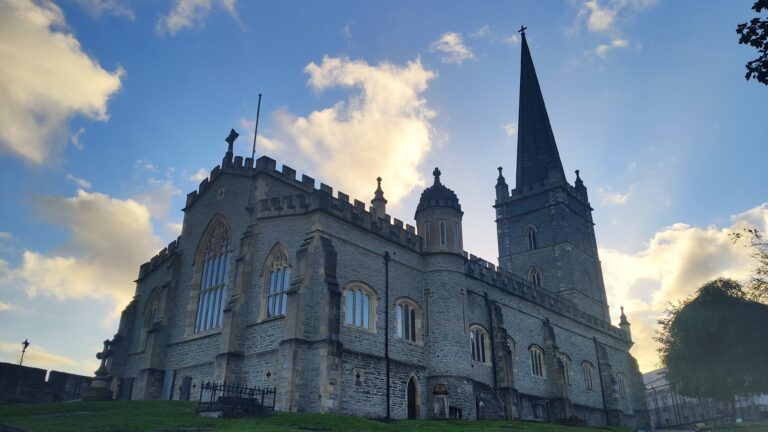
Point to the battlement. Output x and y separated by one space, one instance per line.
541 187
481 269
158 259
310 199
340 206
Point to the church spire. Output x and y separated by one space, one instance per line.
538 160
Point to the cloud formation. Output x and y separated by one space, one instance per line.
81 183
674 263
609 197
98 8
109 239
45 79
190 14
602 16
453 48
603 49
510 129
382 130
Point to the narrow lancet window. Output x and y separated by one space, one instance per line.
214 259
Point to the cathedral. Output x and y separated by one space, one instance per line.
276 281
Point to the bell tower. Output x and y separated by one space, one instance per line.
544 226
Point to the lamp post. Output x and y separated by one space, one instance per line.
24 346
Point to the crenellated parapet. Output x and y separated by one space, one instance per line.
483 270
158 259
340 207
310 199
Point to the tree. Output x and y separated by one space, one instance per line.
755 33
757 285
715 344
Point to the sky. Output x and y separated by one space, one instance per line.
111 111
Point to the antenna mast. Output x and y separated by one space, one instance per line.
251 206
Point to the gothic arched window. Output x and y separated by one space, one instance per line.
588 371
535 277
408 316
537 361
152 309
479 340
278 275
621 383
530 235
213 260
360 306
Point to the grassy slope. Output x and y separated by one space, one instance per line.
152 415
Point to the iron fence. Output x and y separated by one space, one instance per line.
236 400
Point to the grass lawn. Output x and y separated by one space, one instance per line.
154 415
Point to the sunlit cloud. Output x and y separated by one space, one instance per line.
609 197
512 40
81 183
673 264
199 175
453 48
46 78
382 130
603 49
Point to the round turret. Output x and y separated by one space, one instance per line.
438 217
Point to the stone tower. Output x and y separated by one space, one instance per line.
544 227
438 217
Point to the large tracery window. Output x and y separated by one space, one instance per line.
537 362
214 258
277 284
479 340
408 315
360 307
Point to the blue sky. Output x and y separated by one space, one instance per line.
110 109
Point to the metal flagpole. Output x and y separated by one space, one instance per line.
256 129
251 206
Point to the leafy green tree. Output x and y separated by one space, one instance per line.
757 285
715 344
755 33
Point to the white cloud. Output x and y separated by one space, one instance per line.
609 197
110 238
75 138
482 32
598 18
157 196
603 49
263 144
45 79
199 176
5 235
383 130
453 47
674 263
98 8
4 307
82 183
512 40
510 129
188 14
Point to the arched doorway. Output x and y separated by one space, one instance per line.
412 398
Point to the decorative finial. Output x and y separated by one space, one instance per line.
622 309
623 318
522 30
231 139
378 180
499 168
436 173
577 175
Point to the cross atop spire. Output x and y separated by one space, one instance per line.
538 160
436 173
522 30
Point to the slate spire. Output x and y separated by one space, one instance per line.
538 160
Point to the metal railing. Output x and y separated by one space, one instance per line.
236 400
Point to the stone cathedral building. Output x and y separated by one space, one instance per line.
277 282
